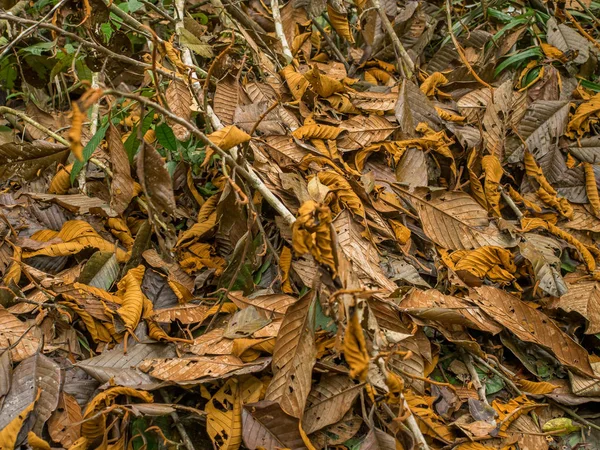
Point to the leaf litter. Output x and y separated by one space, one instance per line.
352 224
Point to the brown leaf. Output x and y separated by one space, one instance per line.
455 221
64 423
266 425
329 401
26 160
121 188
35 373
155 180
539 329
179 99
294 357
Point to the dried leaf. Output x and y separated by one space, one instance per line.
179 99
294 358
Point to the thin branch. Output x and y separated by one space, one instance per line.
468 360
279 31
187 442
460 51
331 45
99 48
246 172
406 66
29 30
33 123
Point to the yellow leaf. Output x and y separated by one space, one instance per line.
450 116
229 137
285 264
74 135
36 442
94 424
493 174
76 235
316 131
429 87
495 263
323 85
311 233
130 290
339 21
401 232
61 182
296 82
343 192
537 388
13 274
511 411
355 349
224 417
528 224
564 425
9 434
546 192
584 116
552 52
118 228
591 188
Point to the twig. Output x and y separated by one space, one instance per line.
331 45
459 49
581 30
279 31
180 428
33 123
411 422
29 30
159 11
507 380
93 128
99 48
246 172
468 360
510 202
406 66
576 416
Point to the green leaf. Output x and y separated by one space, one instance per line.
39 48
166 137
190 41
525 55
132 143
134 5
493 383
8 73
107 31
87 151
590 85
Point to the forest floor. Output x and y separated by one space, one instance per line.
316 224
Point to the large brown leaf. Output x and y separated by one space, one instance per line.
266 425
179 99
454 220
544 122
121 188
582 297
362 131
197 370
121 367
22 339
35 373
447 309
531 325
155 179
294 357
378 440
329 401
273 304
26 160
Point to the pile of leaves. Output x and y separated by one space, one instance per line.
325 223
